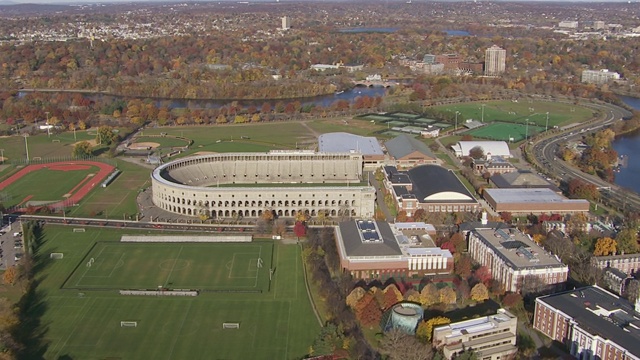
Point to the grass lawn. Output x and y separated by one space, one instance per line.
44 185
505 131
508 111
346 124
117 199
44 146
85 324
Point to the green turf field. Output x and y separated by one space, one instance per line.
505 131
509 111
44 185
86 324
44 146
183 266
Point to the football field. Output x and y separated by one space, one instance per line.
80 314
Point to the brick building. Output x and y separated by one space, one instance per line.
591 322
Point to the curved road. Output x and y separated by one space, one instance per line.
545 151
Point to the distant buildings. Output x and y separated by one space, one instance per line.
286 23
627 263
591 322
567 24
379 250
491 337
493 165
599 77
515 261
494 61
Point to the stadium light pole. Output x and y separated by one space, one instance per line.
546 127
26 145
457 112
483 105
526 130
1 156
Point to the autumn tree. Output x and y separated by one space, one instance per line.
300 229
479 292
426 330
10 275
605 246
512 300
392 296
368 311
429 295
354 297
627 241
447 295
463 266
105 135
82 149
483 274
476 152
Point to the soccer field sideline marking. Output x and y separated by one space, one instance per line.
180 330
86 268
175 261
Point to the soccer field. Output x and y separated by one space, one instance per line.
225 266
277 323
505 131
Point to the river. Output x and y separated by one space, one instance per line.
629 146
322 100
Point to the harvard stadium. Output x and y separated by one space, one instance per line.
247 184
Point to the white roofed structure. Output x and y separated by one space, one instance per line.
342 142
493 148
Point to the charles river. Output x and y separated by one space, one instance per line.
629 146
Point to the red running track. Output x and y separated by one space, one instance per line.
103 172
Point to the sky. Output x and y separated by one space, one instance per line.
5 2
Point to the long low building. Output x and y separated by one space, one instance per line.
491 148
247 184
518 263
591 322
378 250
533 201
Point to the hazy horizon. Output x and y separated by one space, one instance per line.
69 2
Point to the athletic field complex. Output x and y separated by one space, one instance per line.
248 299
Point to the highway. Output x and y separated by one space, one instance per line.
545 151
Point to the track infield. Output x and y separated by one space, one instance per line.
58 184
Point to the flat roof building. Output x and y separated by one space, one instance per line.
379 250
493 148
591 322
491 337
522 179
515 261
342 142
533 201
599 76
409 151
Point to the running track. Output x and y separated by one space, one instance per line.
104 171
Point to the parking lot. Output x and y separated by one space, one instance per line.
11 245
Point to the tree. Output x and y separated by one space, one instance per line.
632 291
10 275
483 274
463 266
512 300
367 311
605 246
82 149
300 229
427 332
429 295
105 135
476 152
392 296
398 345
354 297
447 295
479 292
627 241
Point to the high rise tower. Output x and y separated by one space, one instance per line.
494 60
286 23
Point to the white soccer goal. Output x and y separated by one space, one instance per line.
78 229
128 324
231 325
56 256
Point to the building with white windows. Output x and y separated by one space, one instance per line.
599 77
284 182
286 23
627 263
518 263
379 250
591 322
491 337
495 59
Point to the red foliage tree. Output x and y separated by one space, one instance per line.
483 274
300 229
512 300
448 245
463 267
367 310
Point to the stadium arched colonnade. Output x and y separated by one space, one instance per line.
247 184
